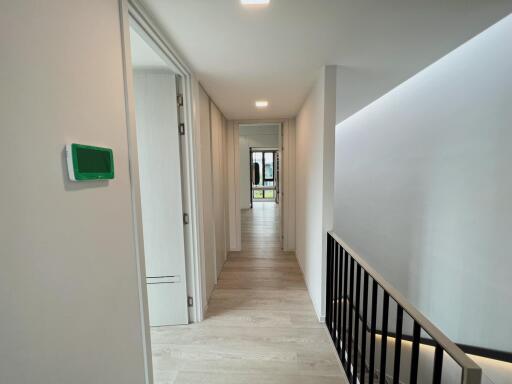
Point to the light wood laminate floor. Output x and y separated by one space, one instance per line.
260 326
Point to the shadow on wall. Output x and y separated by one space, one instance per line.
423 186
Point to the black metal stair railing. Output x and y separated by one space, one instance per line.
357 296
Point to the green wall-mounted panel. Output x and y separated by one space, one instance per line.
86 162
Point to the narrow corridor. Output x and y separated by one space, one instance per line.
260 326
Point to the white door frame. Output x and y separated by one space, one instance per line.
132 14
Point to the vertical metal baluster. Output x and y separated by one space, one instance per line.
333 284
415 354
340 296
384 339
341 286
356 325
345 307
334 294
364 327
350 315
373 325
398 343
438 365
328 288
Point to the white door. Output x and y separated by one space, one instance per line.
161 197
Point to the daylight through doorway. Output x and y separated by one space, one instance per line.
264 175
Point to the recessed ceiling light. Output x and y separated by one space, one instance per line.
261 104
255 2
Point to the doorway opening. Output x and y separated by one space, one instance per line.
158 92
157 118
260 171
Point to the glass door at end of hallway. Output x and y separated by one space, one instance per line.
263 175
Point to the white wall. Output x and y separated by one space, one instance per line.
314 182
68 280
209 251
214 191
256 136
287 187
423 189
219 177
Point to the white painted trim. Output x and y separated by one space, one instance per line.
196 89
171 56
329 133
235 231
135 190
288 185
214 224
226 188
131 13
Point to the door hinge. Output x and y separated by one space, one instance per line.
180 100
181 128
190 301
185 218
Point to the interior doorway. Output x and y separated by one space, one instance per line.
157 117
260 169
144 52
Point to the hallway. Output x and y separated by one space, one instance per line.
260 326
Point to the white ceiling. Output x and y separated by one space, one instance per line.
243 54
